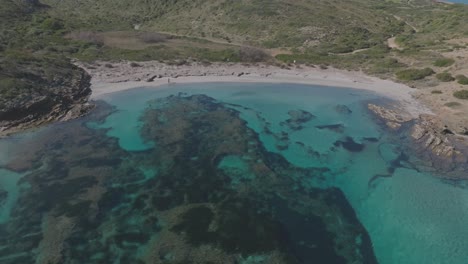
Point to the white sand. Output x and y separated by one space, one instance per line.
122 77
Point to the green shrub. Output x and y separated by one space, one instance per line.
444 62
250 54
52 24
452 104
462 79
414 74
436 92
445 77
462 94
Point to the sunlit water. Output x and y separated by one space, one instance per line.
411 217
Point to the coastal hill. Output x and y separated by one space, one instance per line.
421 43
37 84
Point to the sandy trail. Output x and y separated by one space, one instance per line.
392 44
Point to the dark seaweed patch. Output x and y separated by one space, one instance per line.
3 196
371 139
72 210
131 237
337 128
242 229
350 145
343 109
99 162
195 223
297 119
309 239
195 192
57 193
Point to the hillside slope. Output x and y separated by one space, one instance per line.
266 23
36 85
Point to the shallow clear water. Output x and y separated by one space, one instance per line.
410 216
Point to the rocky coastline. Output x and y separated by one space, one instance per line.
64 99
435 145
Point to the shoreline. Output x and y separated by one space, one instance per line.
122 76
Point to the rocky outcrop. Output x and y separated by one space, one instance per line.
432 141
446 149
343 109
392 119
297 119
64 98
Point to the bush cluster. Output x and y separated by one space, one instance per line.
462 79
250 54
414 74
462 94
444 62
445 77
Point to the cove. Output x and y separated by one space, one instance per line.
152 165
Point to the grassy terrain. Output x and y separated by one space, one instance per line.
348 34
27 68
265 23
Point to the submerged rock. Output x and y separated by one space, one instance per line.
350 145
234 222
297 119
343 109
338 128
3 197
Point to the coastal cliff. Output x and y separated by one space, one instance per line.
63 97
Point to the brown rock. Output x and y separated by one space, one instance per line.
392 118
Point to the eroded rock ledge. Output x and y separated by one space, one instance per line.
433 142
64 99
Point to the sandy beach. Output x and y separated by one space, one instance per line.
109 78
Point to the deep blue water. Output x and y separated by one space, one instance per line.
410 216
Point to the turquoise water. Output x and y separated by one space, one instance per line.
410 216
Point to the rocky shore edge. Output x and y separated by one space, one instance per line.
62 101
437 146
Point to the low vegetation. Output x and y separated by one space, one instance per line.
462 94
250 54
444 62
414 74
452 104
445 77
462 79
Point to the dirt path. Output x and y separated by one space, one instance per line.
392 44
348 53
406 22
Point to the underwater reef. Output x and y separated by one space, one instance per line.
207 192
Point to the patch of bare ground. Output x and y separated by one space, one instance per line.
391 42
438 95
